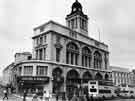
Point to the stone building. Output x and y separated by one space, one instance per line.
7 74
121 76
132 77
64 57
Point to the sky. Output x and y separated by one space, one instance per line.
113 20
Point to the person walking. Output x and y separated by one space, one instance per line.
24 95
5 94
35 97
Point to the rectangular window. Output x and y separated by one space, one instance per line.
41 70
40 54
85 61
105 62
76 23
76 59
45 39
57 38
41 40
44 53
92 82
72 23
67 58
82 60
72 58
104 91
93 90
82 24
41 29
36 54
20 70
69 24
57 54
28 70
37 41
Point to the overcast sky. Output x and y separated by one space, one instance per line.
115 19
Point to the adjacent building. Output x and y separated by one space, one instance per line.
132 77
7 75
121 76
63 58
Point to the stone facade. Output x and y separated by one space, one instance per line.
120 76
64 54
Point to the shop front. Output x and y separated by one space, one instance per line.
32 84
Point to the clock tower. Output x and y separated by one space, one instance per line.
77 20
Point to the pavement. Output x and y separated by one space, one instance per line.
13 97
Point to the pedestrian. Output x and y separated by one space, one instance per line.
91 98
24 95
35 97
87 97
5 94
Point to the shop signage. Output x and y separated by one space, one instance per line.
33 79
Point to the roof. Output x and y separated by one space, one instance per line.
55 23
24 53
119 69
9 66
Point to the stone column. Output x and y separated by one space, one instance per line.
38 54
34 70
88 61
74 59
103 62
92 60
80 58
22 72
69 58
42 53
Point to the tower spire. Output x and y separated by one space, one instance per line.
77 20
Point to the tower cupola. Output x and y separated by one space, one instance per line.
76 7
77 20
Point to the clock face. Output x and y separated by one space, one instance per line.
74 9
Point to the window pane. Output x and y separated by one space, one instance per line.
41 70
28 70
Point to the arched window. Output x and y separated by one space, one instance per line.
72 54
86 57
97 60
98 76
72 80
86 77
58 79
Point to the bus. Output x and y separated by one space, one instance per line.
101 88
127 91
